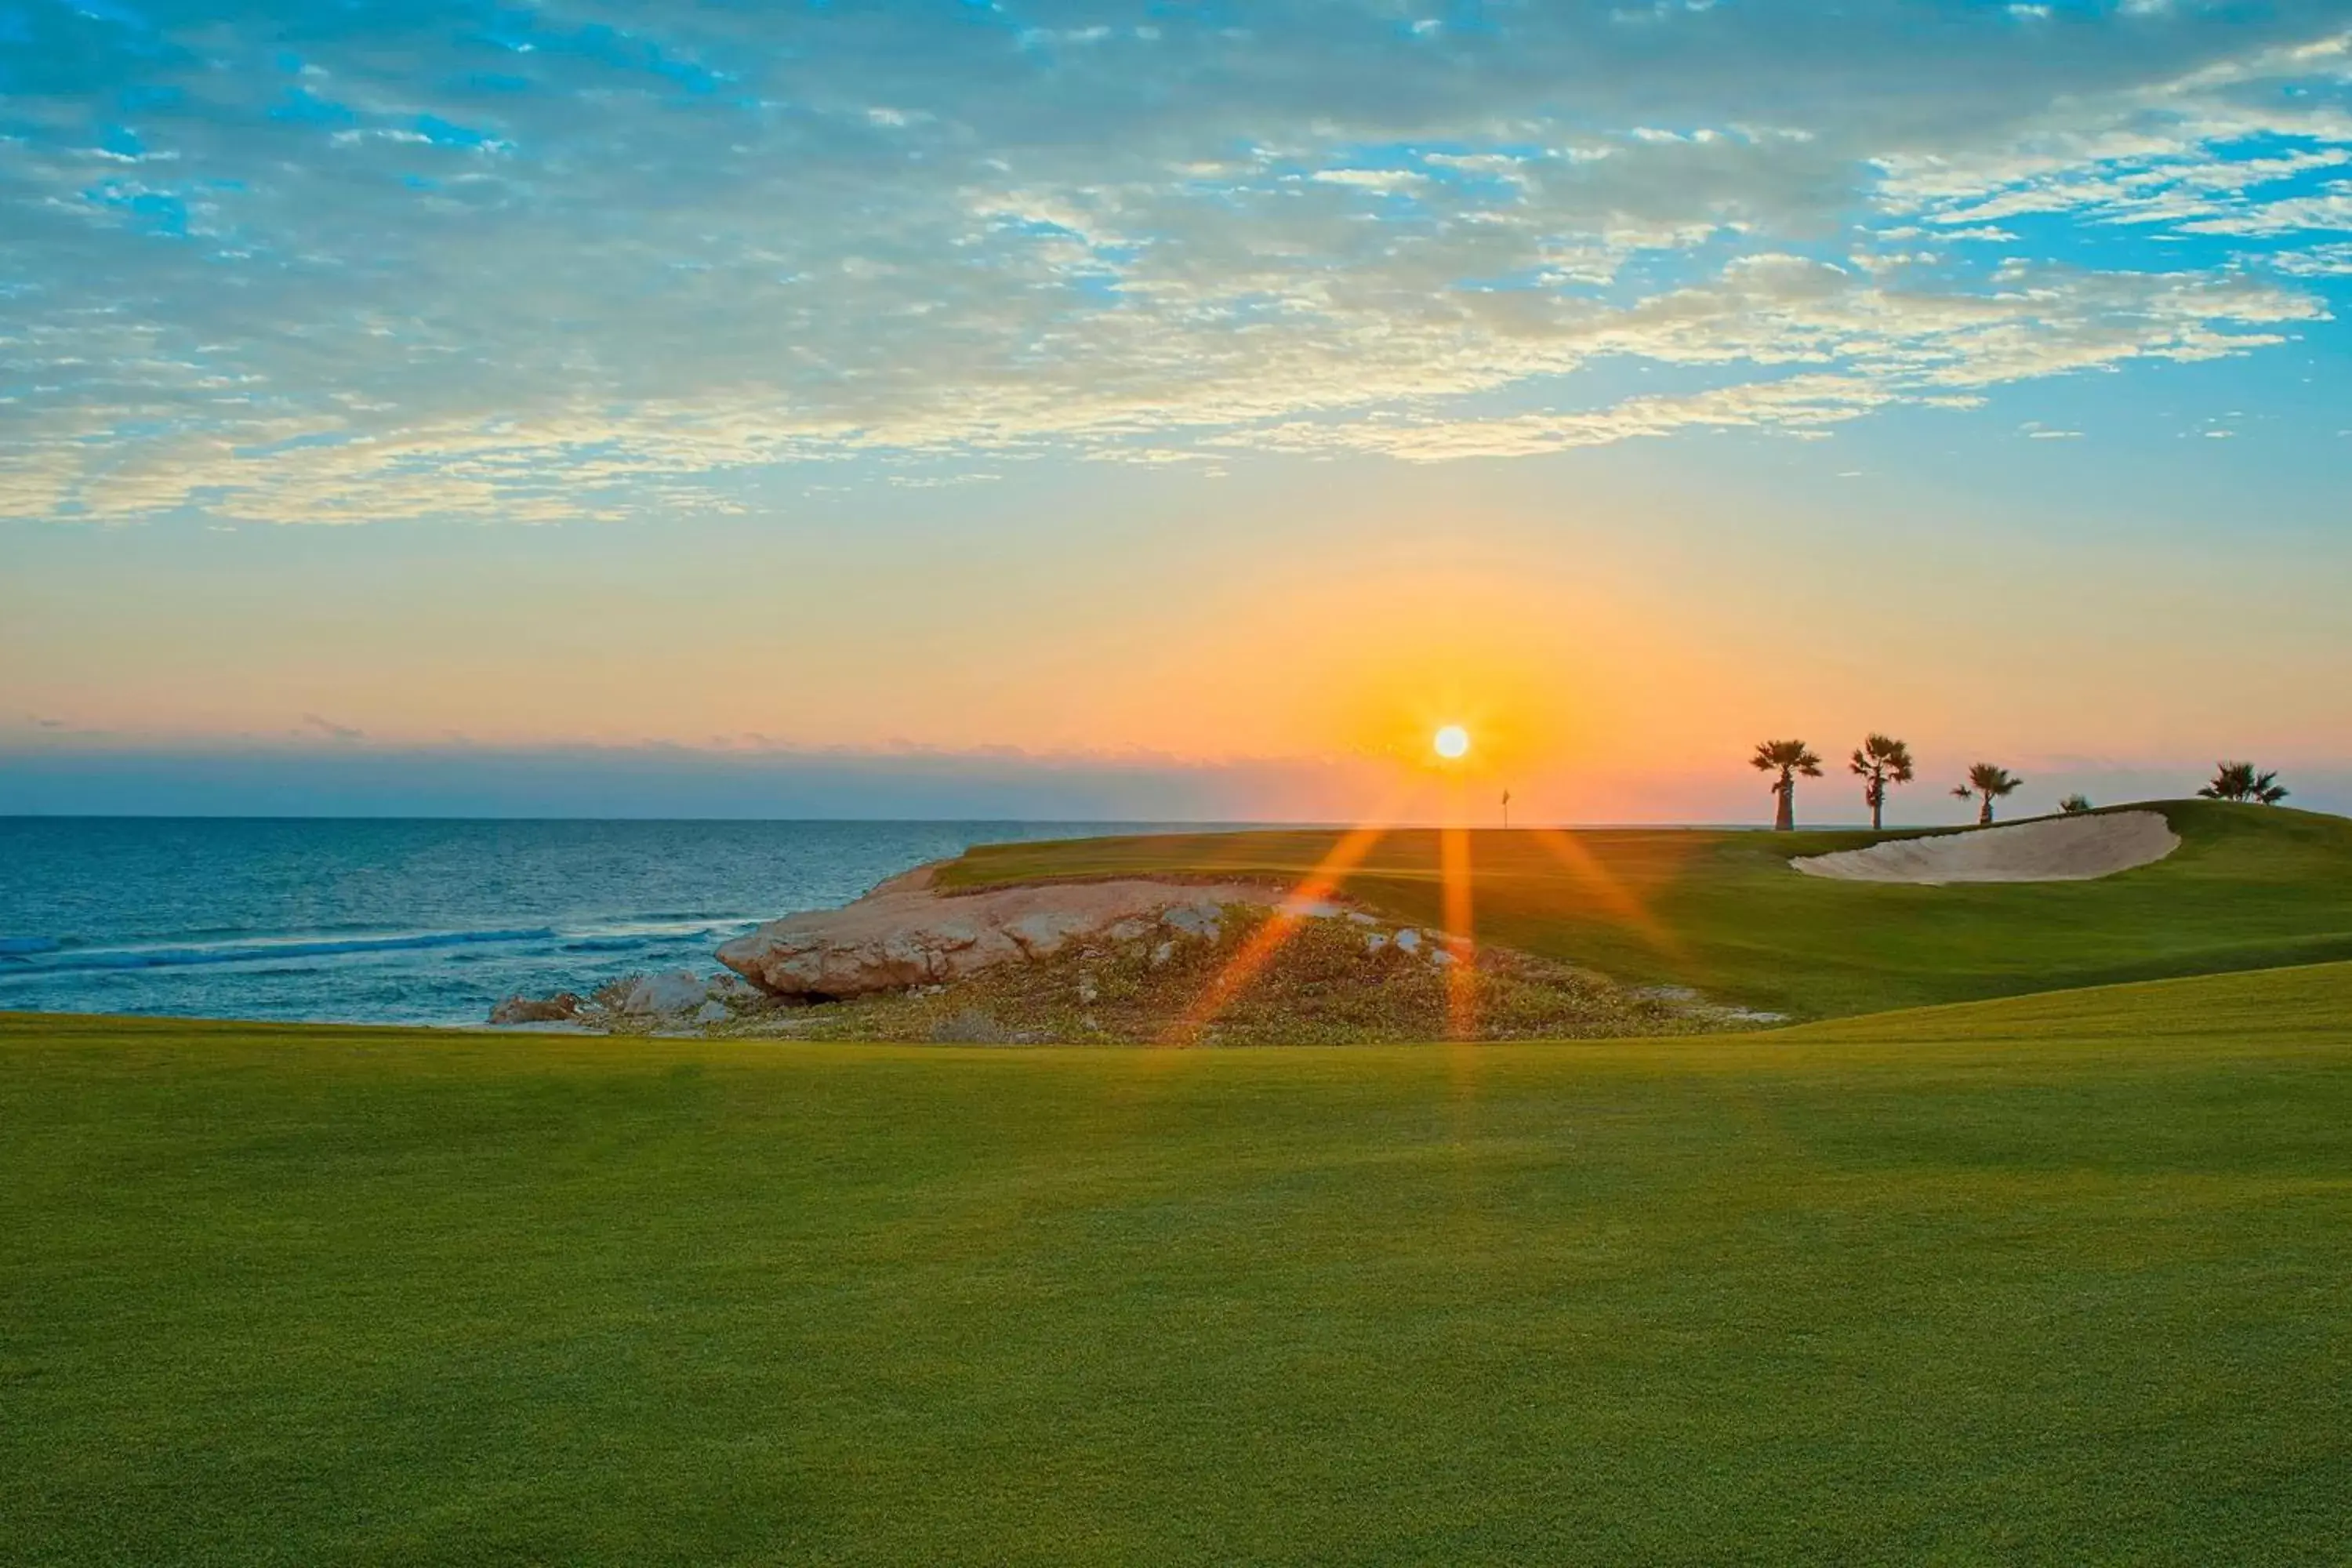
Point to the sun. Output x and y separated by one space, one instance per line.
1452 741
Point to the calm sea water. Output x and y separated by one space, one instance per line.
412 922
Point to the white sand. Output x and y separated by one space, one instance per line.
2053 849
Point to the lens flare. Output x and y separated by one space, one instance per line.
1452 741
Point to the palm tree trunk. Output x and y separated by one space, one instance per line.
1878 807
1784 815
1984 813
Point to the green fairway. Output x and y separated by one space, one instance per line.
2251 886
2060 1278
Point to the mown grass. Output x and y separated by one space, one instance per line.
2063 1278
2250 888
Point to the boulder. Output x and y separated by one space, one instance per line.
905 934
1199 919
680 991
561 1007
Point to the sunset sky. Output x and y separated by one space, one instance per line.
1168 409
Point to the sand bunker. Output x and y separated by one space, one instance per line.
2054 849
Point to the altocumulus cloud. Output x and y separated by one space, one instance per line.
295 263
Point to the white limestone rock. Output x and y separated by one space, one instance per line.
1203 919
654 995
906 934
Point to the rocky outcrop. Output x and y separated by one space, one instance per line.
1130 960
672 999
561 1008
651 996
904 934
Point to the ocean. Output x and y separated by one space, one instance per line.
419 922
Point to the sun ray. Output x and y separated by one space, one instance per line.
1461 941
1607 889
1266 942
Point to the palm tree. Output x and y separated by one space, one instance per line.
1989 783
1786 758
2239 781
2075 805
1880 761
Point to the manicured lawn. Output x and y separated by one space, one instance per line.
2064 1278
2250 888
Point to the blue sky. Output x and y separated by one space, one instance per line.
1010 311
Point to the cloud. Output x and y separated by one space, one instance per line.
597 262
2330 260
315 725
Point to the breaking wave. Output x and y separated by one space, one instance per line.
57 957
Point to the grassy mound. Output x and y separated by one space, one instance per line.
2052 1279
2250 888
1332 981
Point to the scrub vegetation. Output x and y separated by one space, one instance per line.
1332 981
